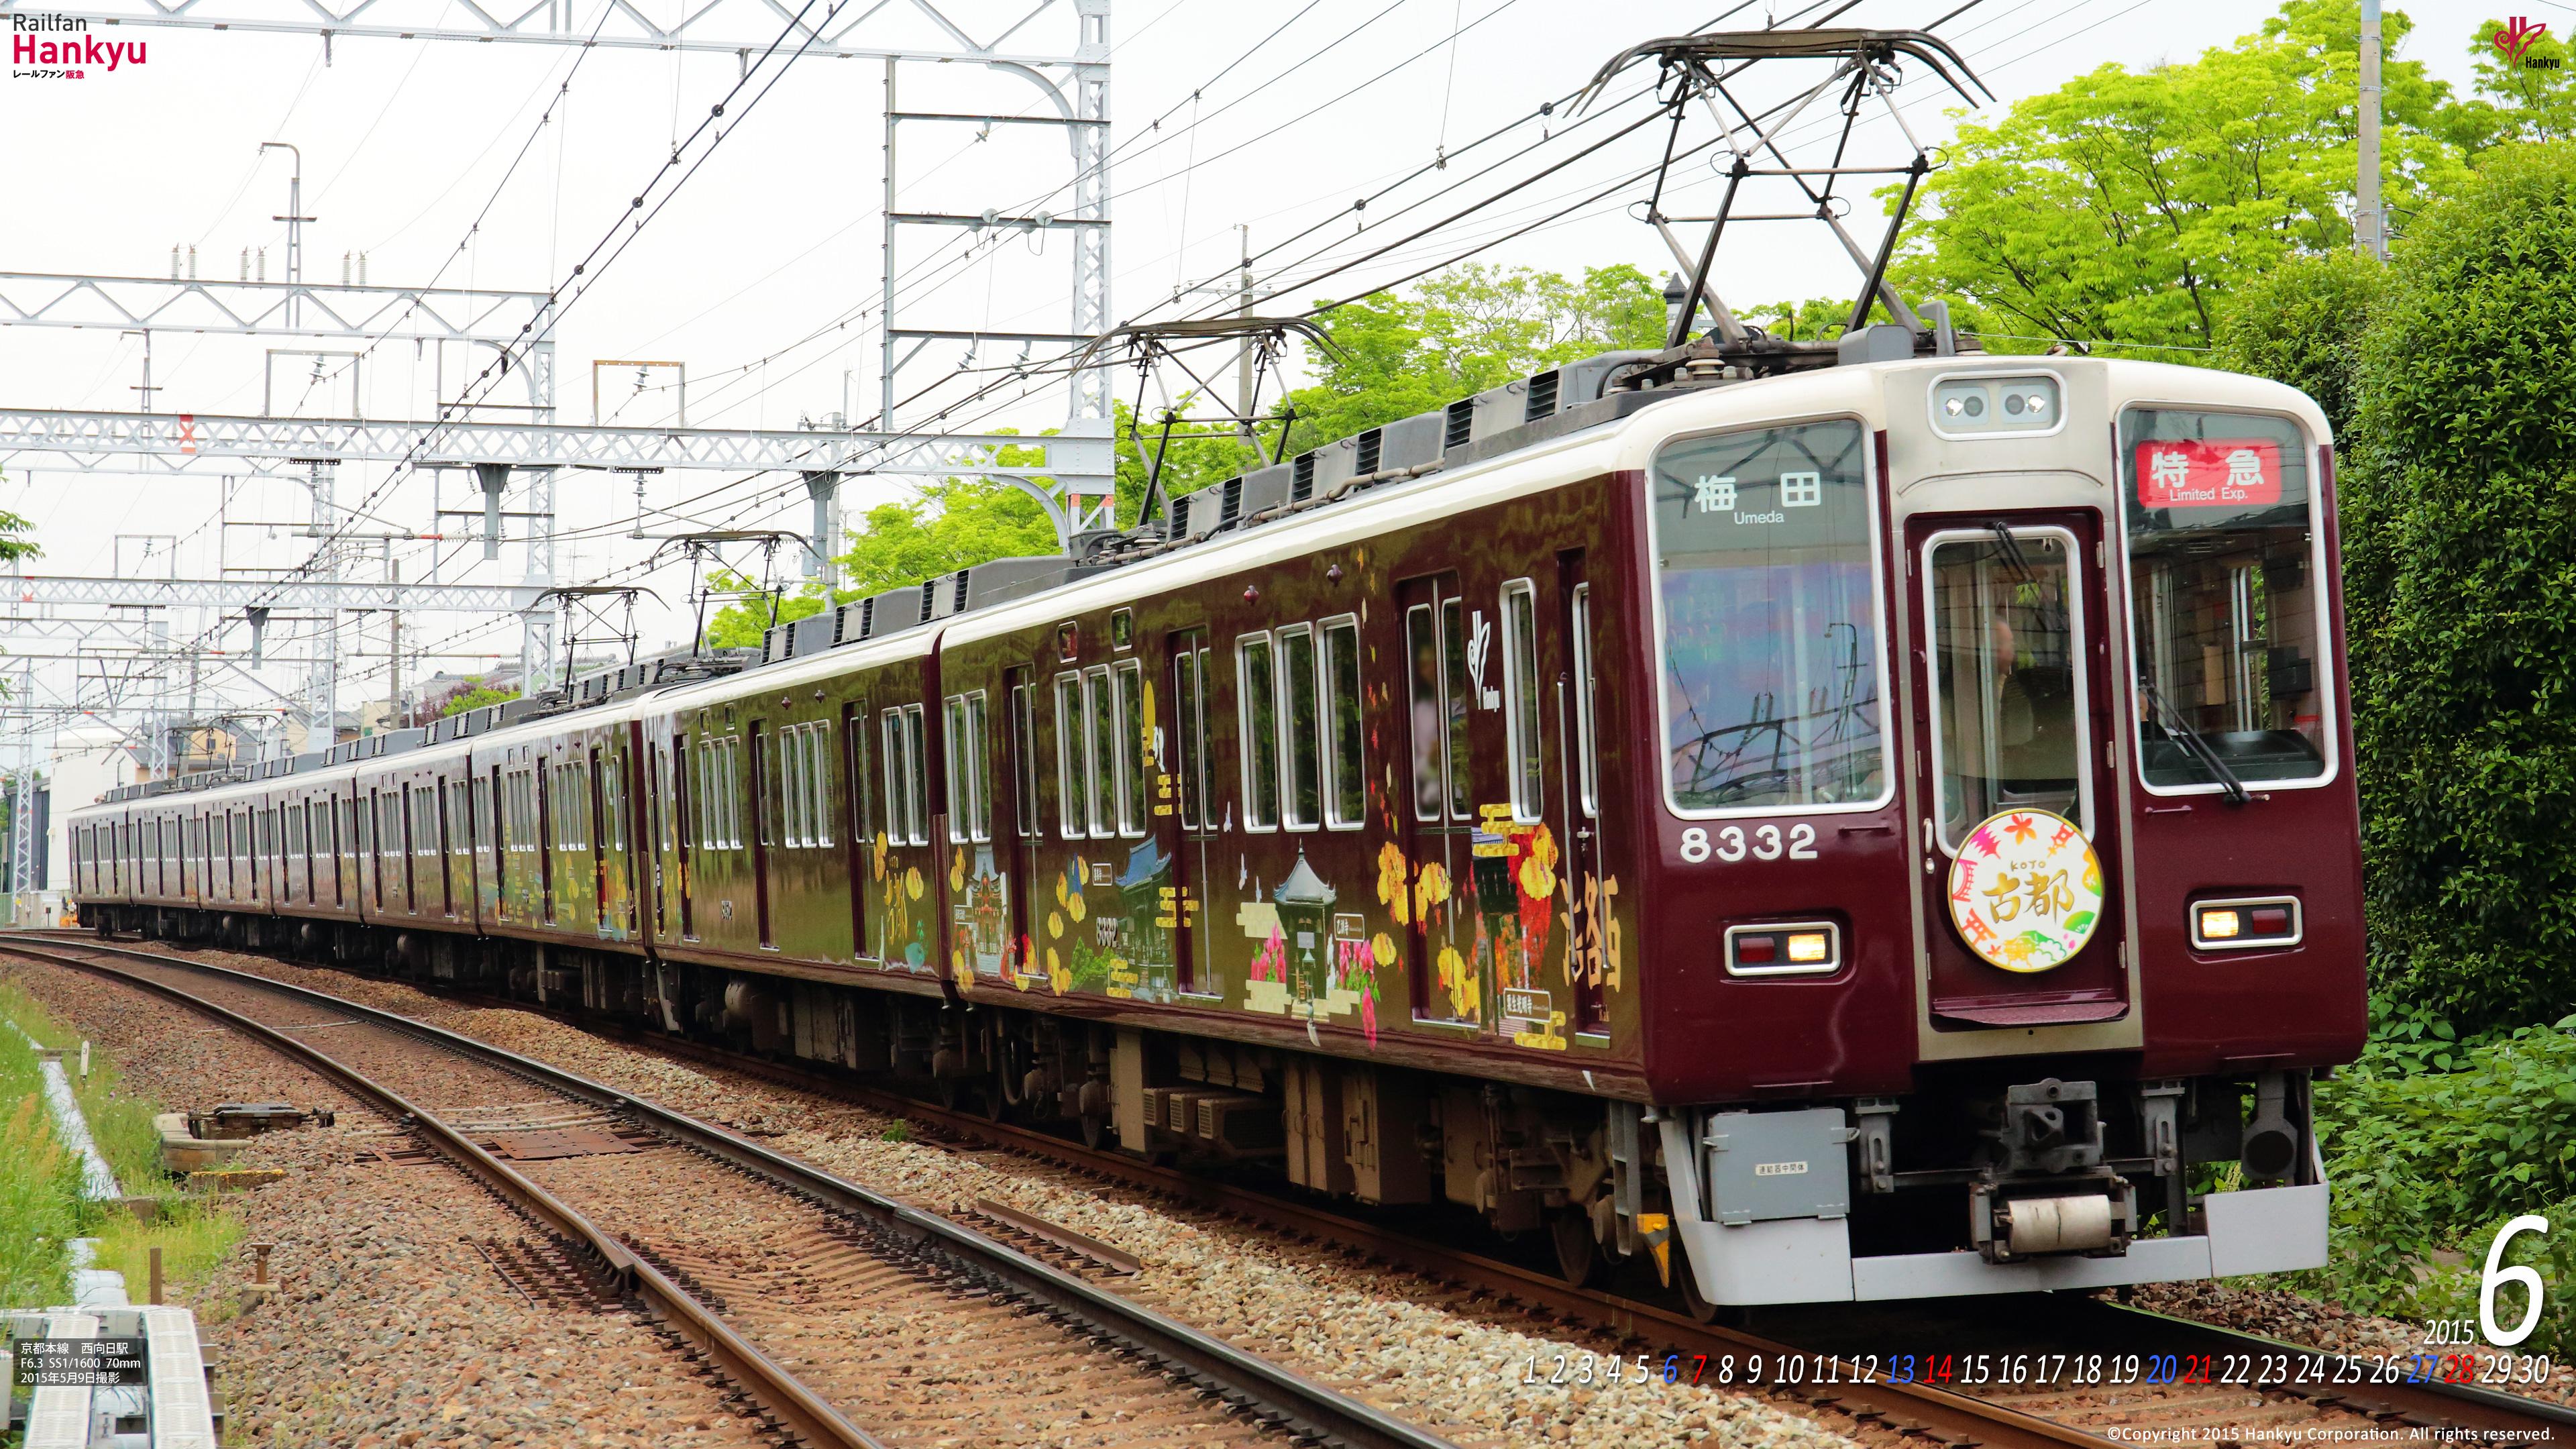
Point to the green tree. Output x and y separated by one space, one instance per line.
1462 331
2532 98
2459 527
2125 206
475 695
2301 323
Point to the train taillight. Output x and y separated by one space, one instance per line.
2244 924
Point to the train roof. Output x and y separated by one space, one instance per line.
1537 432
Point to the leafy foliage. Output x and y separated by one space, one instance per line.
2428 1164
2459 521
1465 330
475 695
2301 323
2128 205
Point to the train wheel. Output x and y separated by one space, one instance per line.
1578 1257
946 1090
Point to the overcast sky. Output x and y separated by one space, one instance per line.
777 236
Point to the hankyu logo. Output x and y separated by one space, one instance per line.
60 47
2517 38
1779 1169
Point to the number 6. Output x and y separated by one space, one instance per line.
2496 1277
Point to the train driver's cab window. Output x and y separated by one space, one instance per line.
2223 598
1769 615
2007 675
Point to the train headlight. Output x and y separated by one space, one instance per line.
2246 923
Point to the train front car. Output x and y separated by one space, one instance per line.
2009 885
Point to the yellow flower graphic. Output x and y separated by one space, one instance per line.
1383 948
1055 930
880 857
912 884
1538 864
956 962
1460 979
1431 888
957 871
1058 974
1390 881
1075 907
1059 890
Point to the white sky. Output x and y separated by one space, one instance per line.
404 143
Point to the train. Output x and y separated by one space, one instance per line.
1805 822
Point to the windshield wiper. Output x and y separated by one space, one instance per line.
2194 744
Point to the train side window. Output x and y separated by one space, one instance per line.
1460 688
1302 749
916 751
1257 695
1130 677
854 737
969 772
818 748
733 791
1520 694
1189 757
1346 777
1422 647
1071 767
1587 758
1100 711
1024 755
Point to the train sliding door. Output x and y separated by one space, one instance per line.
1193 812
1448 969
1588 891
2012 696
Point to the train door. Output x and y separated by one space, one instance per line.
1447 969
2012 699
1025 831
1588 889
857 843
1193 812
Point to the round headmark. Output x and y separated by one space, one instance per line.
2026 890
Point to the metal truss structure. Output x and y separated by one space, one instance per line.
232 595
270 309
187 442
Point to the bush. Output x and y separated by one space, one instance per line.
2459 527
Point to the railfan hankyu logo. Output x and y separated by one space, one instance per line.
60 47
2515 41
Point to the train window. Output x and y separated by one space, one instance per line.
730 795
1024 757
1302 750
1459 687
1346 785
1257 691
1072 766
2224 599
970 810
2007 627
1520 697
1189 702
1587 758
1422 645
818 778
1767 613
1100 714
1132 714
907 788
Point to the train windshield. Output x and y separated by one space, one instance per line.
2223 597
1771 656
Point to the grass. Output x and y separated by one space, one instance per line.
40 1201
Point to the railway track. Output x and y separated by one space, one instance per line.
851 1319
1834 1343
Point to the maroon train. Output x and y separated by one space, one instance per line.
1825 828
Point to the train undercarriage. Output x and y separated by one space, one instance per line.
1993 1176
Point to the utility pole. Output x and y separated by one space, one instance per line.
147 389
294 219
2369 221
